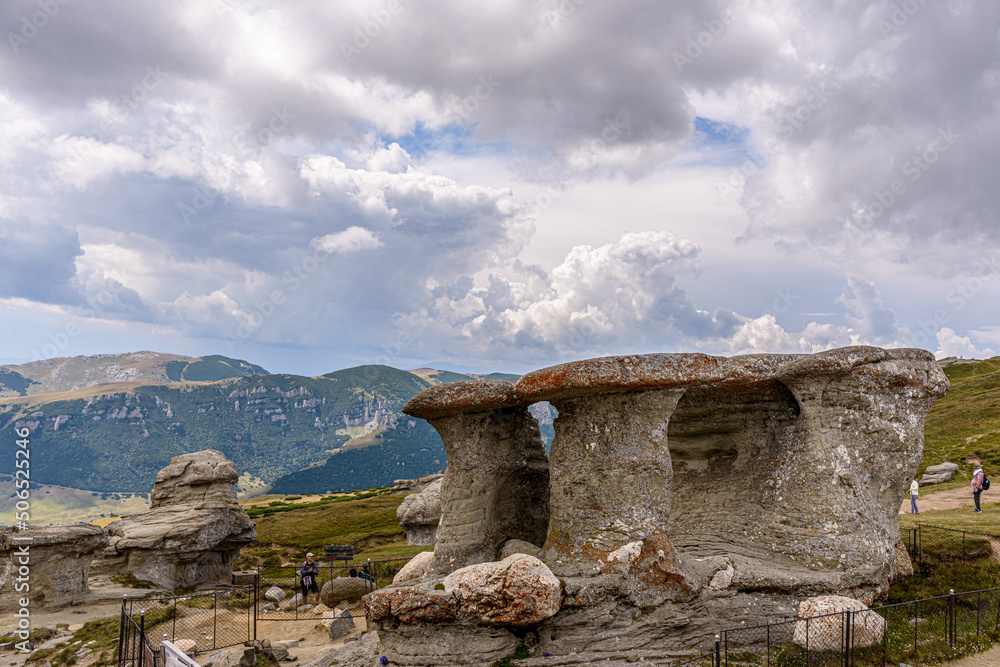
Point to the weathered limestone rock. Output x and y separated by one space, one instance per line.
496 485
193 531
414 485
517 591
938 474
704 491
416 569
58 557
275 594
419 514
344 588
511 547
827 632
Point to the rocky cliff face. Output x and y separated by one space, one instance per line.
684 493
193 531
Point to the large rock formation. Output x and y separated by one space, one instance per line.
938 474
684 493
56 560
193 531
419 514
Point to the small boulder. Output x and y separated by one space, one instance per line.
518 590
185 645
338 628
348 619
346 588
512 547
295 602
938 474
274 594
826 632
416 569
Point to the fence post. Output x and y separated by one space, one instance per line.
979 611
121 631
256 600
847 638
142 636
951 617
718 651
163 650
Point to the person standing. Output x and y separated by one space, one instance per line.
309 572
977 486
914 488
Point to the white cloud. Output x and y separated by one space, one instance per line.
350 240
950 344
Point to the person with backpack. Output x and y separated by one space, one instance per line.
309 571
914 492
978 484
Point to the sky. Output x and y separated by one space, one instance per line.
500 185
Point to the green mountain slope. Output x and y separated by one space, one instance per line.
966 421
73 373
277 428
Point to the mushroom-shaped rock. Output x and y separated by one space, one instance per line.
496 485
519 590
420 513
193 531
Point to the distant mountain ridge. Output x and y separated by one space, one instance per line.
72 373
114 437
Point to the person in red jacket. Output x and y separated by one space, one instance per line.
977 486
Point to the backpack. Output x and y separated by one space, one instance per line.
986 483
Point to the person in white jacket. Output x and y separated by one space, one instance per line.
914 488
977 486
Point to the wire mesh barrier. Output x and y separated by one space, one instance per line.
134 649
934 543
280 594
210 620
932 628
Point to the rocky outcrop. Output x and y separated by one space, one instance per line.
193 531
56 558
684 493
414 485
419 514
938 474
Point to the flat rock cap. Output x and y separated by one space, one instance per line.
459 397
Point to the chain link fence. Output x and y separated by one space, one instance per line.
208 620
946 545
280 589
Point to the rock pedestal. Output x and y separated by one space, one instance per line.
420 513
57 559
704 491
193 531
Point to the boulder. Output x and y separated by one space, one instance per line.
347 618
416 569
275 594
939 474
60 558
512 547
338 628
419 514
295 602
344 588
517 591
193 531
826 633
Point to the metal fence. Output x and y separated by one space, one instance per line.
931 628
133 645
935 543
278 587
209 620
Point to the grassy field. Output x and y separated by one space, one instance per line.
965 423
368 524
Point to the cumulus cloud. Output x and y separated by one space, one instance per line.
350 240
950 344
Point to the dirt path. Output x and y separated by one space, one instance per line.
942 500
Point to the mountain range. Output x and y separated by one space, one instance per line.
108 423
